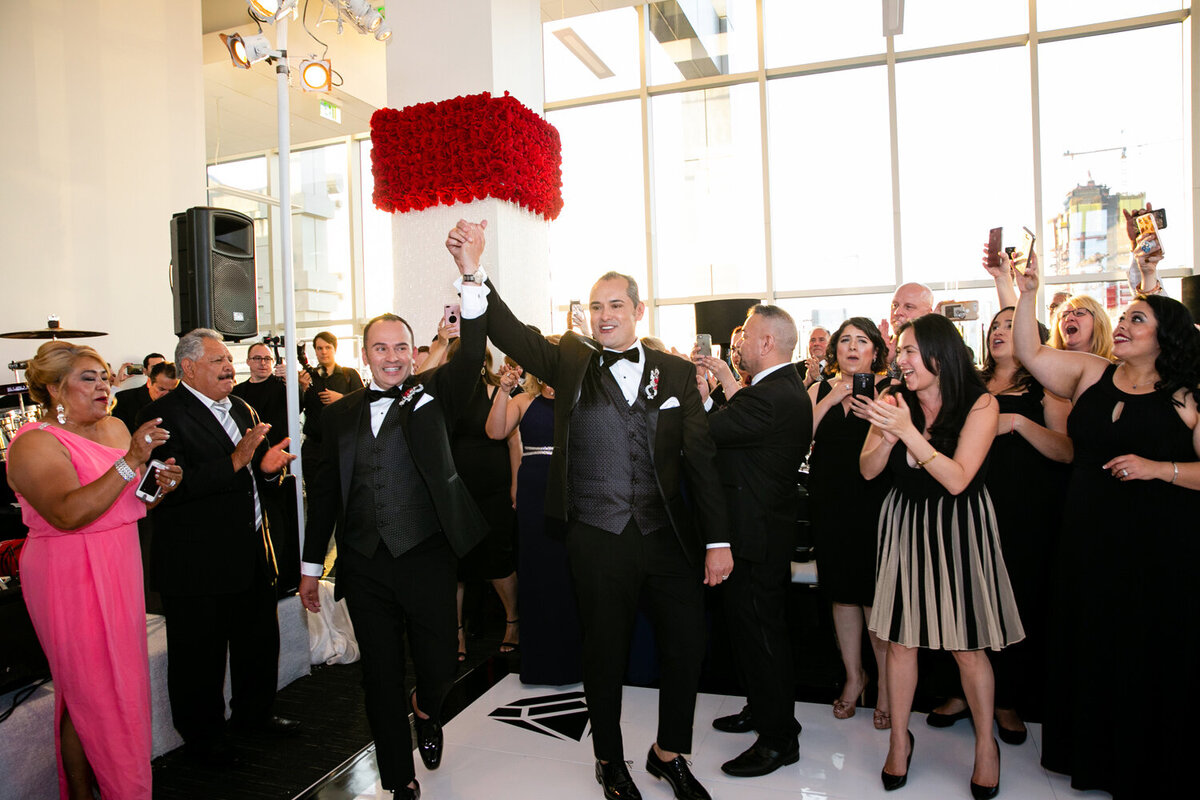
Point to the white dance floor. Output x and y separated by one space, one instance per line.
505 746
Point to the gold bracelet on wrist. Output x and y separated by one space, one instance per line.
921 464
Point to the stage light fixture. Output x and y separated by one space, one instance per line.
371 21
246 50
272 10
384 33
316 75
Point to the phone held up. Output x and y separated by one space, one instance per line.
993 248
450 314
864 385
148 489
704 343
1020 254
1148 228
574 309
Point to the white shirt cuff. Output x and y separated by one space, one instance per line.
708 403
715 545
312 570
473 297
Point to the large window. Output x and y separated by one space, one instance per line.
848 162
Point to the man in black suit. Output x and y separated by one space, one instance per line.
762 435
212 559
387 480
129 402
629 426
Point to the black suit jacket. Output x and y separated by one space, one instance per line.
129 403
205 540
762 435
681 447
426 426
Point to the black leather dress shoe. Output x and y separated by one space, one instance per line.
615 779
676 773
408 792
937 720
736 723
429 736
761 759
1012 737
979 792
893 782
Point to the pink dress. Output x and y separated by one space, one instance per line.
85 598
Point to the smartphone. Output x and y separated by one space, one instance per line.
1148 226
704 343
450 314
575 307
1020 254
1160 217
960 311
993 251
148 489
864 385
134 370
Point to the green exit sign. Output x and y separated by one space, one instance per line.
331 112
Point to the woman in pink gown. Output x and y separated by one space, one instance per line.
75 474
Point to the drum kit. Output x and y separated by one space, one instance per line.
12 419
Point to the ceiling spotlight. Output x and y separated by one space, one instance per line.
246 50
383 33
371 20
272 10
316 75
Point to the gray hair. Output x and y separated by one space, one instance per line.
631 289
782 325
191 344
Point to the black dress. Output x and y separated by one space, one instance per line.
484 466
1027 491
551 649
942 583
1123 652
845 541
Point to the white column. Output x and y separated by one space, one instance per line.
440 51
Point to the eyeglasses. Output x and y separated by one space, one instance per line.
261 359
1077 313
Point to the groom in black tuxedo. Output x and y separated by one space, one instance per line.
403 516
629 427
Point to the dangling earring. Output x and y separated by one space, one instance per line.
62 414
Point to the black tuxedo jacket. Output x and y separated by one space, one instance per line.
205 540
129 402
681 447
427 427
762 435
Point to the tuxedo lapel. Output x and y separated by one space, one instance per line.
653 365
346 426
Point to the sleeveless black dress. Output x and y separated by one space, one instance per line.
942 583
485 469
845 541
1123 651
1027 491
551 643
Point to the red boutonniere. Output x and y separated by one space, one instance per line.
652 386
409 394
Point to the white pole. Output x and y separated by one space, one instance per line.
285 233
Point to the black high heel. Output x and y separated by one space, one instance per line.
988 792
892 782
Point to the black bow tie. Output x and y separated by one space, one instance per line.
610 357
375 394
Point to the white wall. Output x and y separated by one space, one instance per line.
101 140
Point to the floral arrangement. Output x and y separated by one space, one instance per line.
464 149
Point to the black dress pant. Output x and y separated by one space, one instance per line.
388 597
201 629
755 599
610 573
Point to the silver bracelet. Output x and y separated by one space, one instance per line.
124 470
1175 467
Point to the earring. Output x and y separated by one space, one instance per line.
62 414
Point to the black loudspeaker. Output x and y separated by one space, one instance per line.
720 317
212 272
1191 296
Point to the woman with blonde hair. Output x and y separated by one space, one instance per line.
75 474
1081 325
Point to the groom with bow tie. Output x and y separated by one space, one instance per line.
629 427
403 517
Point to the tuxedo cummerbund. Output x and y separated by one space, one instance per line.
611 475
388 499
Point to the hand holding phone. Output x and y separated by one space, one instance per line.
995 236
149 490
703 345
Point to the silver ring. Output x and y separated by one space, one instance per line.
723 577
172 481
148 439
1124 473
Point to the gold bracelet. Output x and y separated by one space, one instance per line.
922 464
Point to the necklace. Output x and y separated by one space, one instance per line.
1151 379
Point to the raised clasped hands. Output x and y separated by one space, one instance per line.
509 378
889 414
465 243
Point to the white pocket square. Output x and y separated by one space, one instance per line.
425 398
670 402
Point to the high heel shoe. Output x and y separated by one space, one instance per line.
988 792
845 710
893 782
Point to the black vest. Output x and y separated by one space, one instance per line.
610 474
388 498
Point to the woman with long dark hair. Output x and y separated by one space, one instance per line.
1125 598
941 581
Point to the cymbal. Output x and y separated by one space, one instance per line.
52 333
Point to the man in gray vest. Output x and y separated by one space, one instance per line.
388 481
629 426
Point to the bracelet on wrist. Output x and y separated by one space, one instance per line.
922 464
1175 468
124 470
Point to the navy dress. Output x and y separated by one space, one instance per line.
551 644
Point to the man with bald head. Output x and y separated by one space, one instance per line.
762 435
910 301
